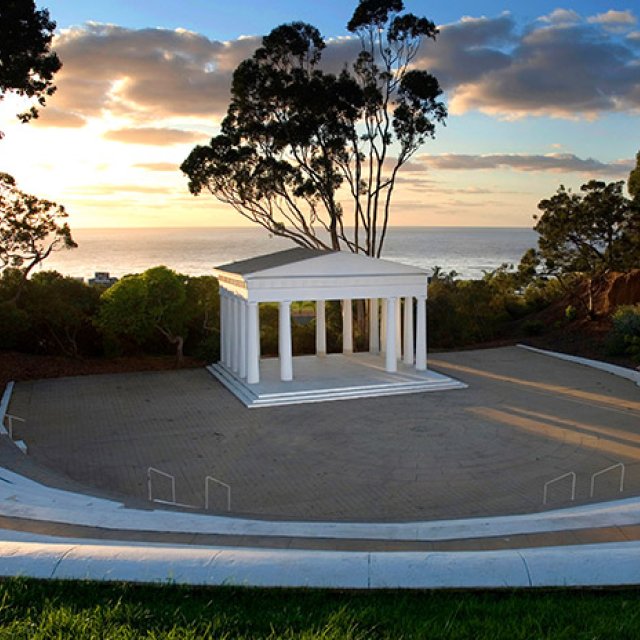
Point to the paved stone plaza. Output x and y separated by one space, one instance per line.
525 419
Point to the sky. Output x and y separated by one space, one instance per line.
537 97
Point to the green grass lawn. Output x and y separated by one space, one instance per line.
33 609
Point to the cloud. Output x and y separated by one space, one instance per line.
612 17
569 72
468 49
552 162
561 17
143 72
51 117
157 166
559 65
115 189
152 136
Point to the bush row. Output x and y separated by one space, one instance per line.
159 310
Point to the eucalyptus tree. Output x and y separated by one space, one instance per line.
31 229
313 156
27 63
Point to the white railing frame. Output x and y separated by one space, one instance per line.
547 484
599 473
9 418
222 484
151 470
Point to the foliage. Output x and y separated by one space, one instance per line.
297 140
590 234
202 315
15 324
54 315
570 313
463 312
533 327
27 64
60 312
30 229
587 232
57 315
139 306
70 609
633 184
624 337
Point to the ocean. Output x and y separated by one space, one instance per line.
195 251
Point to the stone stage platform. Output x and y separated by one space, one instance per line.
331 377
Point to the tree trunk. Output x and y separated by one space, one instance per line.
590 310
179 342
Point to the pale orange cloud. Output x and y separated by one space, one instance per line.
152 136
157 166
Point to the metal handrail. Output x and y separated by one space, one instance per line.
611 468
562 477
206 491
151 470
10 418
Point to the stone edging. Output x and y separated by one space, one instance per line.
621 372
47 557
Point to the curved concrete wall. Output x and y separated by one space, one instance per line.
591 565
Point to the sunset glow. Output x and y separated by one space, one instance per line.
534 101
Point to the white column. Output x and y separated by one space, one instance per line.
374 326
399 328
390 338
284 341
321 328
408 330
421 333
258 343
243 338
253 343
383 326
235 336
228 329
347 326
223 299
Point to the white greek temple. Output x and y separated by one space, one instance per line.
396 361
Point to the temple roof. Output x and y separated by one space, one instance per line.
316 263
270 260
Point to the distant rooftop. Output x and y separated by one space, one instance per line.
271 260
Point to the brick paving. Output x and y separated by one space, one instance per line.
485 450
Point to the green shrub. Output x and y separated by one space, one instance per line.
14 323
533 327
624 338
570 313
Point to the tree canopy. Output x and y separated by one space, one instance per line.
298 142
30 228
140 305
27 64
587 232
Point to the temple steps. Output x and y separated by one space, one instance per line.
251 399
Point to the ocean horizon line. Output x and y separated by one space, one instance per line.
258 228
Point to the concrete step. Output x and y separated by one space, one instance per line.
253 400
244 394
